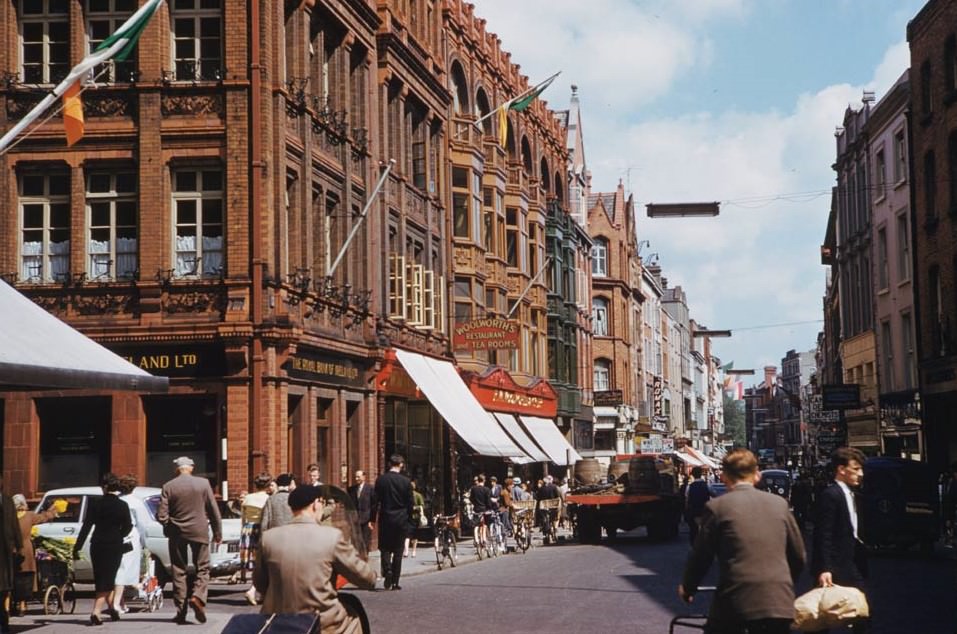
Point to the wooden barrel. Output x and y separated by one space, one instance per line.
643 474
616 470
588 471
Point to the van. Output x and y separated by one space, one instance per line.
223 560
899 500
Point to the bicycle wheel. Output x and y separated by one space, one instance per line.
453 554
68 598
52 603
479 545
499 539
439 555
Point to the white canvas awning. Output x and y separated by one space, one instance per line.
703 459
548 437
38 350
452 399
688 459
520 437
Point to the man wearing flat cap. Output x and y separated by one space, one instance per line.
294 570
187 512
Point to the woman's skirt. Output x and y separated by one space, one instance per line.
249 544
106 561
128 573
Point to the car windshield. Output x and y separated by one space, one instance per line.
68 507
152 504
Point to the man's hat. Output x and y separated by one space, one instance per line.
516 480
303 496
184 461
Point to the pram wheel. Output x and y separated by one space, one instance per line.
68 598
152 604
52 601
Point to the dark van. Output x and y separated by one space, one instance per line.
899 499
776 481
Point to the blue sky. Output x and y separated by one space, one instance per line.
728 100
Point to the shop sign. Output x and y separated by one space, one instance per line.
326 369
841 396
657 392
667 445
486 334
608 398
177 361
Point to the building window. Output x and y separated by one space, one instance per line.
103 18
882 268
950 66
900 157
45 221
602 375
198 222
935 312
197 32
908 349
44 40
880 174
111 214
903 248
512 254
599 257
888 354
930 188
599 313
926 90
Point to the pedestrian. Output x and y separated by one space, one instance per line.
759 550
418 512
518 493
505 510
276 511
696 496
129 572
298 563
27 519
312 475
251 515
393 514
801 500
361 494
187 512
111 517
839 557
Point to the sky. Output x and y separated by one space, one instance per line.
733 101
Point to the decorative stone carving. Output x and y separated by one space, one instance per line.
192 104
105 303
196 301
106 104
20 103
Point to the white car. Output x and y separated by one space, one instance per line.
223 560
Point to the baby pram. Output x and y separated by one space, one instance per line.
147 595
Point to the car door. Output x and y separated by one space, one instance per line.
66 527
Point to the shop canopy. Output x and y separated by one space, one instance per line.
38 350
513 429
452 399
705 460
548 437
688 459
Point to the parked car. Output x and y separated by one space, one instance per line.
776 481
223 560
899 504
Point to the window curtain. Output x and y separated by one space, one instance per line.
125 266
99 258
212 256
31 269
185 256
60 259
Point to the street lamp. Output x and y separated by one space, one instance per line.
682 210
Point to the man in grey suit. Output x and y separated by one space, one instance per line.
296 562
187 511
759 550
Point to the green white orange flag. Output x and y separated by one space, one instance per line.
117 46
519 104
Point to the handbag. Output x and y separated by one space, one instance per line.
827 607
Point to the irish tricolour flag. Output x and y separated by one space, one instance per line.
117 46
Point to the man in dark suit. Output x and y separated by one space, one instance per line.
187 512
696 496
839 557
392 511
760 553
361 494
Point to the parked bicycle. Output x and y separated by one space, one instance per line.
549 511
445 549
488 536
522 523
496 533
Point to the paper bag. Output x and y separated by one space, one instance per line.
833 606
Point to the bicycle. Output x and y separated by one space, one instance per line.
548 514
480 536
445 548
523 529
496 534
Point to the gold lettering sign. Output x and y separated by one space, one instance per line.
325 368
150 362
521 400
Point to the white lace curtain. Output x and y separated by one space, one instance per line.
32 263
186 256
124 267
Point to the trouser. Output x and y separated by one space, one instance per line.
391 556
759 626
366 533
179 549
694 525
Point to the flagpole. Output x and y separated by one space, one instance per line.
508 103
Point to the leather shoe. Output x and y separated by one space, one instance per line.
114 614
199 610
95 620
180 618
396 587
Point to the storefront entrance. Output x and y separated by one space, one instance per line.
181 426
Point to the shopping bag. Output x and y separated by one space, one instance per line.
826 607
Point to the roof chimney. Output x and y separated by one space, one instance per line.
769 373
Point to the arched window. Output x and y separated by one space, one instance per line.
482 108
460 90
599 315
545 176
599 257
602 375
559 186
510 147
527 155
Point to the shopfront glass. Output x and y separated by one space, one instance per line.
181 426
74 441
414 431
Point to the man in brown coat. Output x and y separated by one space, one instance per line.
187 511
296 563
759 550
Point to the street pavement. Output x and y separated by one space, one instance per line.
628 586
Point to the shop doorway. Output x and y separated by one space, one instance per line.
296 450
353 440
324 413
74 441
181 426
